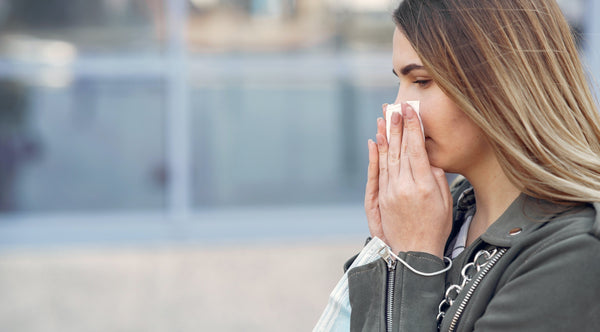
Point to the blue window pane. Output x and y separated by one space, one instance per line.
293 137
91 145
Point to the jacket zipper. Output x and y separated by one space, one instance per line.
391 263
476 282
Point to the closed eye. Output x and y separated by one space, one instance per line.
423 83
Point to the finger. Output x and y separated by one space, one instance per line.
382 148
381 127
394 142
415 145
405 168
372 188
440 178
372 193
384 109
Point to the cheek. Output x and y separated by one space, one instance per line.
451 136
442 120
445 121
435 124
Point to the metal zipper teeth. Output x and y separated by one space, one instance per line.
476 282
390 298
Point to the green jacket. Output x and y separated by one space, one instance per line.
547 279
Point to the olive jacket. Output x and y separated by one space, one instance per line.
540 272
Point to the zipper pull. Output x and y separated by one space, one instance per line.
388 258
392 264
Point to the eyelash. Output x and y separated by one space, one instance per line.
422 83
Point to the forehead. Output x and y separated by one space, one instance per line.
403 52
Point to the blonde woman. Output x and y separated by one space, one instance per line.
515 244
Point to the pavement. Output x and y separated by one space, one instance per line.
276 286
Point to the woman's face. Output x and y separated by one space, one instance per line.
453 142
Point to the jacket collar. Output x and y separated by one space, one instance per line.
524 215
521 218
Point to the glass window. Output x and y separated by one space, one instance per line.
284 97
277 129
95 144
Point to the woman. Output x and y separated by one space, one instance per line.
505 103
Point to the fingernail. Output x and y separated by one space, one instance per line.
409 113
396 118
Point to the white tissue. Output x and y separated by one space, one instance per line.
397 108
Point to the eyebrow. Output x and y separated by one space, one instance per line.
408 68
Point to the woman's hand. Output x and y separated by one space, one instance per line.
407 200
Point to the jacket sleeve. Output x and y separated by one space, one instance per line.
554 289
415 298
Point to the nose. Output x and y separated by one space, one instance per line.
398 96
401 96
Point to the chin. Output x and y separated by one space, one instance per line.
435 161
436 158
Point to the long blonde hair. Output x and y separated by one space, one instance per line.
512 66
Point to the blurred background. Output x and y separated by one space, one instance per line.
189 165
